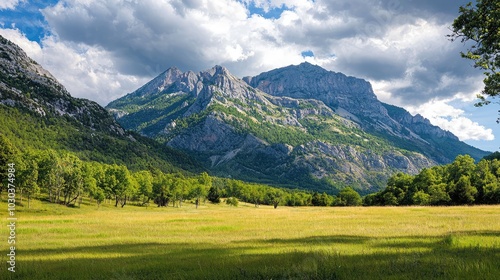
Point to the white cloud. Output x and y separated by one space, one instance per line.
441 114
465 129
31 48
9 4
85 71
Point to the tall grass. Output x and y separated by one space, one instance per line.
223 242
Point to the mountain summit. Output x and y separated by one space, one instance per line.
297 126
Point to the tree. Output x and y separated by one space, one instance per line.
99 196
463 192
349 197
274 197
200 189
213 195
73 178
256 195
177 190
438 194
47 171
144 180
320 199
119 183
427 177
400 185
6 157
484 181
462 165
316 199
28 177
198 192
421 198
479 25
389 199
232 201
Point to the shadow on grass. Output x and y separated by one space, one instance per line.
384 258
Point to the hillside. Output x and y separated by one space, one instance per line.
311 140
37 112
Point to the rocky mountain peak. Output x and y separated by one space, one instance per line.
217 70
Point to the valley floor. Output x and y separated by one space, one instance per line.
223 242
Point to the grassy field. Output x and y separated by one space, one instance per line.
222 242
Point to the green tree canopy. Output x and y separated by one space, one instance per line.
6 157
479 24
349 197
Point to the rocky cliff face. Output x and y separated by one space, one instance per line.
25 84
311 129
336 90
354 99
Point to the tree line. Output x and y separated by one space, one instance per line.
463 182
63 178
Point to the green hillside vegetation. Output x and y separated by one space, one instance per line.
63 178
438 145
244 242
151 114
27 130
460 183
288 137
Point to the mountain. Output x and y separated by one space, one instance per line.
312 129
354 99
37 112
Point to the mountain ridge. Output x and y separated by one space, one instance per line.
356 96
287 139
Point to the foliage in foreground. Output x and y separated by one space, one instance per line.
460 183
478 24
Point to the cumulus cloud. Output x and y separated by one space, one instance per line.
33 49
442 114
390 42
86 72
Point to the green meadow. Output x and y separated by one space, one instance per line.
245 242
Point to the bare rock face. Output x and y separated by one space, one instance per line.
307 81
300 126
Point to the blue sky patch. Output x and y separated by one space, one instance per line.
27 18
307 53
273 13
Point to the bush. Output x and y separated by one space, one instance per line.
232 201
349 197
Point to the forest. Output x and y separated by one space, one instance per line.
463 182
62 177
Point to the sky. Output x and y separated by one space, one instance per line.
104 49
